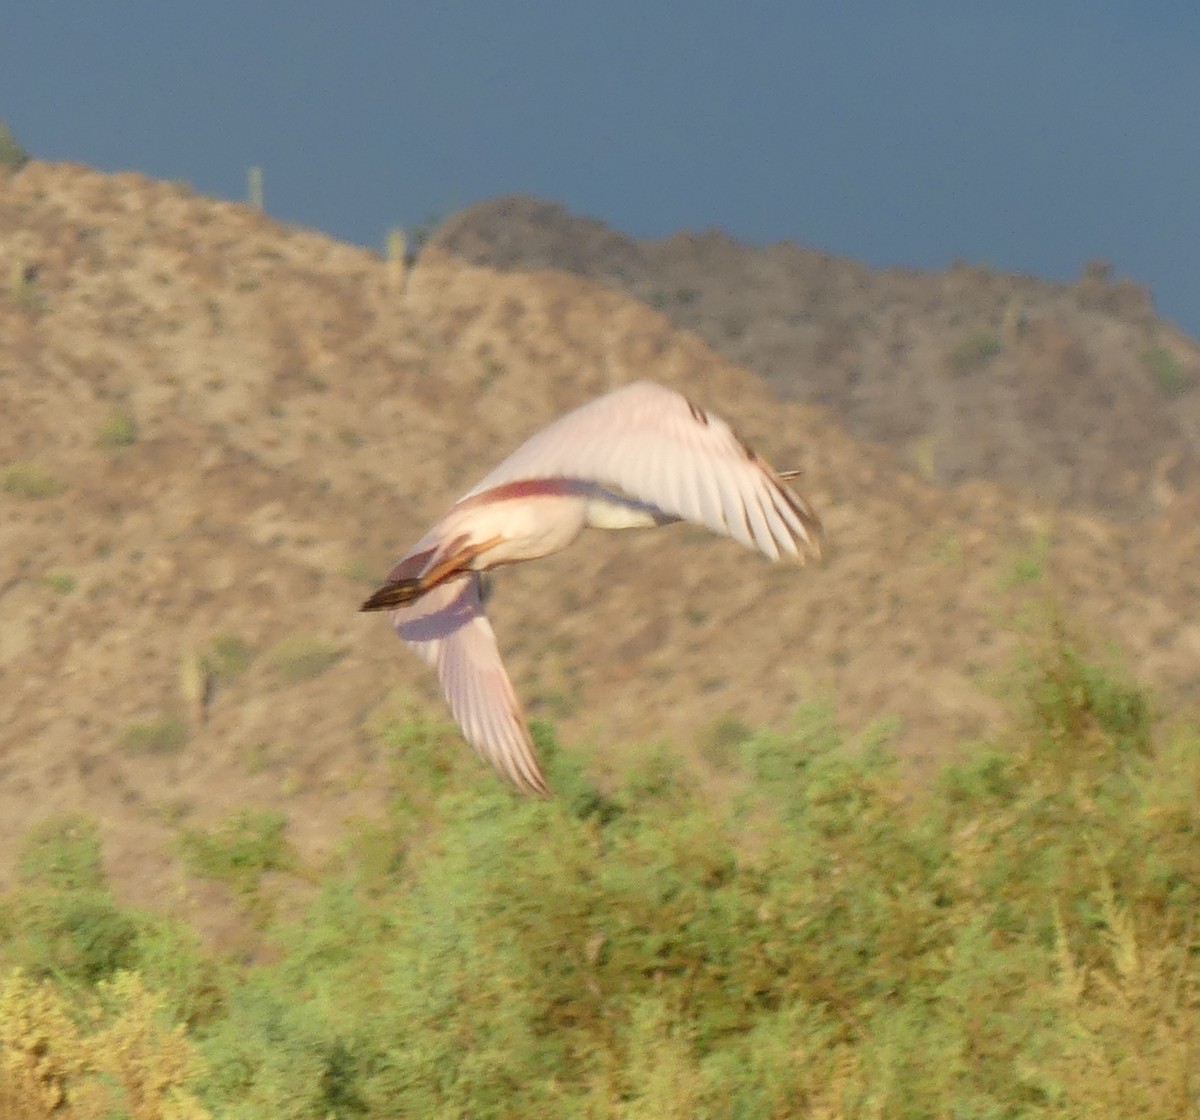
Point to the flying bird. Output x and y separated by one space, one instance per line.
640 456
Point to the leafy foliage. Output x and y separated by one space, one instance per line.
228 657
62 853
165 734
62 583
239 853
105 1056
973 353
301 657
119 430
30 481
1166 371
12 155
822 939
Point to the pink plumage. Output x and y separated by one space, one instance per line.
640 456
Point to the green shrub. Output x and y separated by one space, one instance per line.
30 481
1165 370
165 734
119 430
12 155
109 1055
302 657
228 657
1029 566
23 287
241 850
63 853
821 938
973 353
61 582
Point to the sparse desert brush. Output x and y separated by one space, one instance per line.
12 155
228 656
105 1056
63 583
119 430
925 457
973 353
165 734
717 747
78 937
301 657
395 245
1166 371
1076 710
23 287
62 852
196 680
41 1058
254 187
62 922
30 481
242 849
240 852
1027 566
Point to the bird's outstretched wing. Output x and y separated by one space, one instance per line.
658 447
448 628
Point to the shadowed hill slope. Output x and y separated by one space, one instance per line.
218 432
1074 394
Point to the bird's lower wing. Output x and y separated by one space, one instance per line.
447 627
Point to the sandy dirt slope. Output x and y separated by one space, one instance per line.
217 432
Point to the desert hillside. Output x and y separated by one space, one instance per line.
219 431
1071 394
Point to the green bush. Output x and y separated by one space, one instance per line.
30 481
821 939
106 1055
973 353
164 734
61 582
1165 370
119 430
302 657
12 155
63 853
228 657
241 850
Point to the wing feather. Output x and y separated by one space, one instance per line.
734 499
761 527
657 447
448 629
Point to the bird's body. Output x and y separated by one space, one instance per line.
637 457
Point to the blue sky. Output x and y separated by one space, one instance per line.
1025 136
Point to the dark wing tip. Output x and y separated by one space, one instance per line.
809 538
394 594
539 788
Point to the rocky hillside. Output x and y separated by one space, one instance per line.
219 431
1071 394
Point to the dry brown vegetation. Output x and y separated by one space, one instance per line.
218 432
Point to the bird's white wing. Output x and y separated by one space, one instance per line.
657 447
448 628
